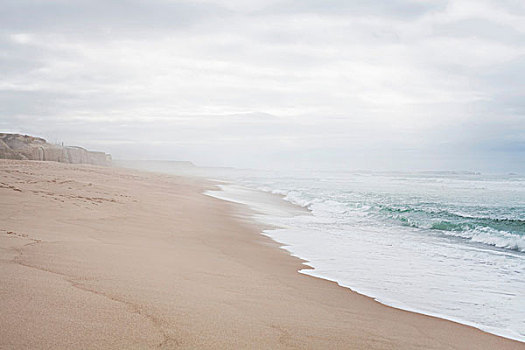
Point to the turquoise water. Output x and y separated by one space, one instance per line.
444 244
477 208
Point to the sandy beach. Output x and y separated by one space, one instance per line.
109 258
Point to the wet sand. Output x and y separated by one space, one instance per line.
107 258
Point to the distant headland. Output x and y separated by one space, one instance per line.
24 147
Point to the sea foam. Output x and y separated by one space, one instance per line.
450 246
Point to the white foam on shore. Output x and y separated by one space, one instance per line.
305 236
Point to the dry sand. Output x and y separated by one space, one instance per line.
110 258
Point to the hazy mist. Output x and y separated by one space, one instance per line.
384 85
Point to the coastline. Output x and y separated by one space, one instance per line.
115 258
275 204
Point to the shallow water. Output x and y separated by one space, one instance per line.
450 245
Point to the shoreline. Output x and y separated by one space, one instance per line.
310 270
116 258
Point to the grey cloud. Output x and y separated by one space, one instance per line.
86 18
389 8
37 103
513 6
481 28
358 83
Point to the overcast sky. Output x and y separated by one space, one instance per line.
385 84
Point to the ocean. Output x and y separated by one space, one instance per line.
446 244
